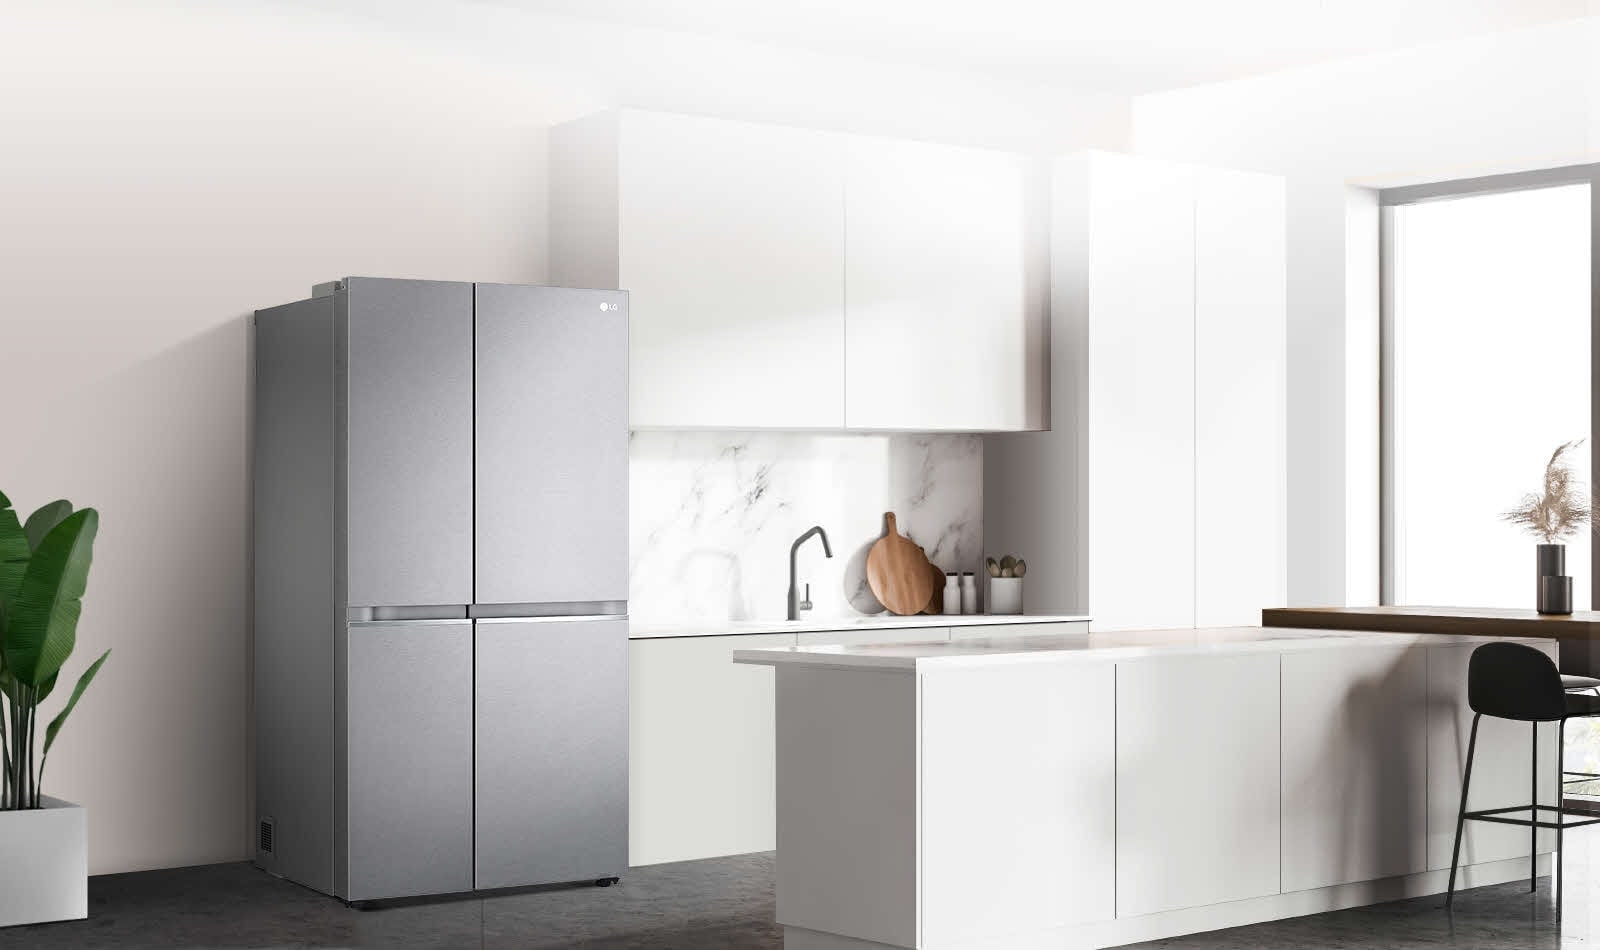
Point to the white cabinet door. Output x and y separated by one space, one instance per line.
1501 768
701 749
1197 781
1141 395
937 292
1239 463
1355 765
1018 771
730 240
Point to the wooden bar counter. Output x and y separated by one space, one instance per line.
1578 632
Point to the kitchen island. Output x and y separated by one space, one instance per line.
1091 790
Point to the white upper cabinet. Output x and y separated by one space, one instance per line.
941 289
785 278
729 238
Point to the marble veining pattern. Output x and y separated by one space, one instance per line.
712 515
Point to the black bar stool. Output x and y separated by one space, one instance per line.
1573 683
1514 681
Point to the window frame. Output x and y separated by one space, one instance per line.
1390 541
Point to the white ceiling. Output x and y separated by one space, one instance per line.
1116 46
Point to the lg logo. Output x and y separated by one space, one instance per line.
611 306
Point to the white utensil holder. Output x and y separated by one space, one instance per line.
1005 595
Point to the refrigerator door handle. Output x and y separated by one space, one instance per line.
556 610
406 613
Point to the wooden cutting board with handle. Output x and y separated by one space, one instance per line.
898 572
936 599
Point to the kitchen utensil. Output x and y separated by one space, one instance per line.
897 572
1020 569
993 566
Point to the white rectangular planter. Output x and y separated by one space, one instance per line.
45 875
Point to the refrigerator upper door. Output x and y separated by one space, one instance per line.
551 756
551 445
409 442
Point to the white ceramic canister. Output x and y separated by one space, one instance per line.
952 592
969 593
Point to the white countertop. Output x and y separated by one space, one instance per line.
723 628
1132 644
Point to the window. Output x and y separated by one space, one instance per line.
1490 310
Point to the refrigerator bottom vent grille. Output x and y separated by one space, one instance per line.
264 837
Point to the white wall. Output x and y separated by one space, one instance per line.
168 167
1519 100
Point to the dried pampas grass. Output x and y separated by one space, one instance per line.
1563 508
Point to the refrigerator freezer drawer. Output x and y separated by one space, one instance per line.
552 751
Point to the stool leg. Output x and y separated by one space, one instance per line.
1561 813
1533 796
1461 815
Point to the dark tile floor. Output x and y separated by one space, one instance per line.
725 903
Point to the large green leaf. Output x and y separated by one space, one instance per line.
42 521
77 693
45 688
14 552
42 624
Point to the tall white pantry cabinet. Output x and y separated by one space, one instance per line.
1157 497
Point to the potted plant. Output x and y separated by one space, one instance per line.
44 570
1560 511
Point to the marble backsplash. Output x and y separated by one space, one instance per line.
713 514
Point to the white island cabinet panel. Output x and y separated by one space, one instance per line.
847 804
1239 461
1355 765
700 764
1197 781
1501 769
943 289
1018 773
1141 371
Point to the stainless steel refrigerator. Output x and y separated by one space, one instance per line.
441 582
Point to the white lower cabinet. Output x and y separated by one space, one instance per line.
1196 781
1018 777
1501 770
701 752
1355 765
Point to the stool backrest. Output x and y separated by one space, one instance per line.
1515 681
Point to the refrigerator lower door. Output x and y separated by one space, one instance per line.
551 750
410 759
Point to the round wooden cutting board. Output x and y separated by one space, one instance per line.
898 572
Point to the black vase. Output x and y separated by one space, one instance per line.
1552 586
